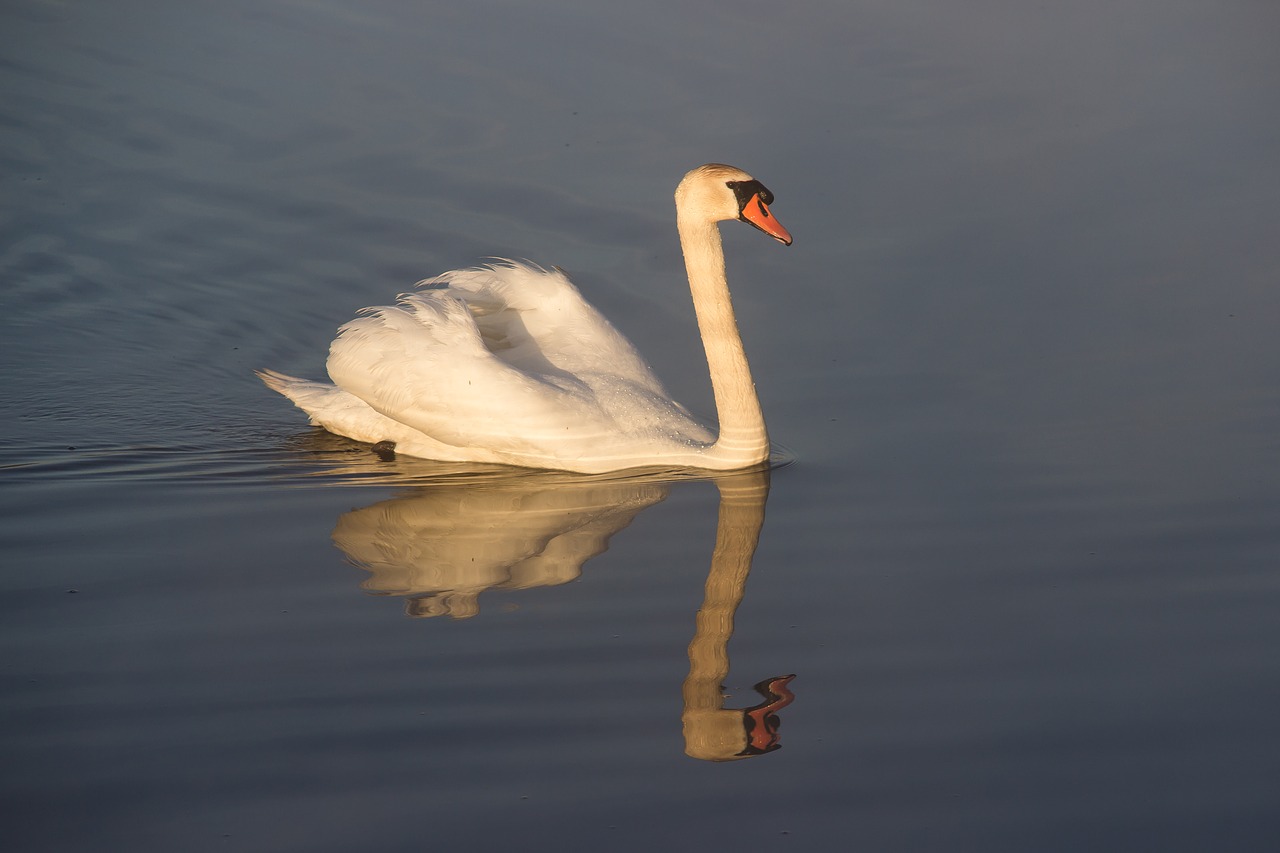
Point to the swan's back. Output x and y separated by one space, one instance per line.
536 320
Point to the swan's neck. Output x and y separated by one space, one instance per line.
743 440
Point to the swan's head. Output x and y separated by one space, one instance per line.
716 192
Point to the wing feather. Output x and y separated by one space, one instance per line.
423 363
537 320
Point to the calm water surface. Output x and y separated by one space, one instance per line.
1024 566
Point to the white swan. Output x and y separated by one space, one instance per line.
509 364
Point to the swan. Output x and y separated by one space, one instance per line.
508 363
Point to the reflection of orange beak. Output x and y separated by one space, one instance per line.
757 213
762 721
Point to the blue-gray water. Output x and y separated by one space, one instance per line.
1025 566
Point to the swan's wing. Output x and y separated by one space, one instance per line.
423 363
536 320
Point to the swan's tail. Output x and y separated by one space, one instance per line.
343 413
306 395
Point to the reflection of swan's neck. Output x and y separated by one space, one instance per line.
711 732
737 533
743 440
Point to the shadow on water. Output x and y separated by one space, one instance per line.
442 545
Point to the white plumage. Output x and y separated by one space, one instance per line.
509 364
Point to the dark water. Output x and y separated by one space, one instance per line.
1024 566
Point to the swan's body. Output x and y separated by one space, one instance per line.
509 364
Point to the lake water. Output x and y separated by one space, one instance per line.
1024 564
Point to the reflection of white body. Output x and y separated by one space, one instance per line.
509 364
443 545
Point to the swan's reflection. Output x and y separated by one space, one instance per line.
442 545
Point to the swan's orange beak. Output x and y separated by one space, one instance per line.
757 213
